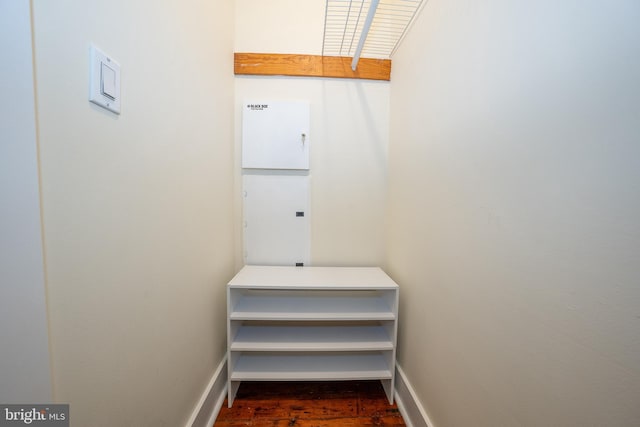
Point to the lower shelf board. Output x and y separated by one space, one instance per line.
333 366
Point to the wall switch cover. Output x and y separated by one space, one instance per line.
105 81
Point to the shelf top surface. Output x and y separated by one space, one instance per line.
280 277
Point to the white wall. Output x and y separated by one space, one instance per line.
349 133
137 208
279 26
513 213
24 357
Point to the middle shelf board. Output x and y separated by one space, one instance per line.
311 338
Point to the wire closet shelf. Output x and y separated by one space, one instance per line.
367 28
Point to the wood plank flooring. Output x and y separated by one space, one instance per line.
310 404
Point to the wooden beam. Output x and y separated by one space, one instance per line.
277 64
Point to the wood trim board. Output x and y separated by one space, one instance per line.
277 64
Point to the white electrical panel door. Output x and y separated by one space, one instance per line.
276 219
275 135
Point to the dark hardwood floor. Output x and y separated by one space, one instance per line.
310 404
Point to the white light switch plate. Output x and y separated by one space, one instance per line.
105 81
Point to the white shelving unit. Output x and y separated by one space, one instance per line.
311 323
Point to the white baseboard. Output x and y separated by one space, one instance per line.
410 407
208 407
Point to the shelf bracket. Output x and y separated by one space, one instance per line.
365 31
